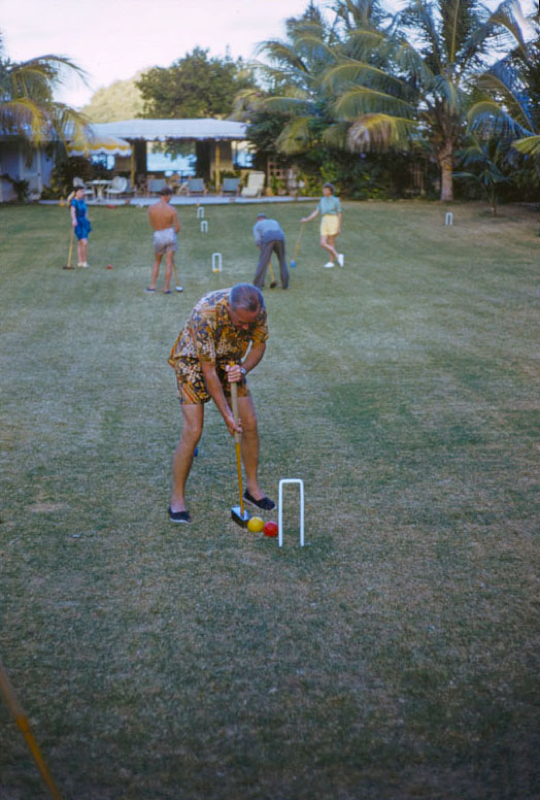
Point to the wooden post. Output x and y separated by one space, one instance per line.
217 165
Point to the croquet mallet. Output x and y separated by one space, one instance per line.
297 245
273 282
238 513
7 690
177 284
68 265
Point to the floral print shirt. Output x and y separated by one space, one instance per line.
209 335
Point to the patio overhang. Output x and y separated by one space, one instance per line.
162 130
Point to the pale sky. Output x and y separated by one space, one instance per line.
113 39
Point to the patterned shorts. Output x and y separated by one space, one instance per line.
192 388
165 241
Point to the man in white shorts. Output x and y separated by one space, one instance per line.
164 220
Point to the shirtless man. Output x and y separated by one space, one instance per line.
164 221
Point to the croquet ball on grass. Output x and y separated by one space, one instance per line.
109 266
271 528
255 524
293 263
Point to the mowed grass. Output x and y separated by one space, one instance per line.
396 655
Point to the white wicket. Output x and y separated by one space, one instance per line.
300 483
204 226
217 262
200 212
449 218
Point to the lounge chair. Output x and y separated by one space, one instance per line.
117 186
230 186
196 186
254 186
155 185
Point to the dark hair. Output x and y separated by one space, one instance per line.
247 297
329 186
166 191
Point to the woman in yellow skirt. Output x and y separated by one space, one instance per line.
330 209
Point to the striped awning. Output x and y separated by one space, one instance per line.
96 145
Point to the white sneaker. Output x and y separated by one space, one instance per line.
85 264
341 259
329 265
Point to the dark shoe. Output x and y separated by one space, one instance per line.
167 292
149 290
264 503
179 516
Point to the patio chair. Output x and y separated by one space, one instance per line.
254 186
230 186
78 183
155 185
196 186
117 186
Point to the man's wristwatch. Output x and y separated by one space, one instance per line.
243 371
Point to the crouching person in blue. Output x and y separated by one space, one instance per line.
269 238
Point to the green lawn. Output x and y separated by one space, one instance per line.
395 657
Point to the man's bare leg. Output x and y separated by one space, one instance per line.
168 269
155 271
192 425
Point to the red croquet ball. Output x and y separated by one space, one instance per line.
109 266
271 528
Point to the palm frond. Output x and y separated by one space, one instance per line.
421 15
409 61
488 117
295 137
336 135
288 105
530 145
501 81
362 100
350 73
380 132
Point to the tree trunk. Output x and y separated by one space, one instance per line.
445 157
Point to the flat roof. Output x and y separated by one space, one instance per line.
159 130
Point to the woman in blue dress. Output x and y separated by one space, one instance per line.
81 225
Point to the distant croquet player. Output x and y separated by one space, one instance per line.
81 224
164 220
330 210
222 341
269 238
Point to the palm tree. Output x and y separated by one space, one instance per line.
27 107
413 80
509 103
293 71
483 161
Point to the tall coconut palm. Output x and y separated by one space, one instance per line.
27 105
295 68
413 80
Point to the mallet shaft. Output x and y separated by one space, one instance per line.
236 415
12 702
